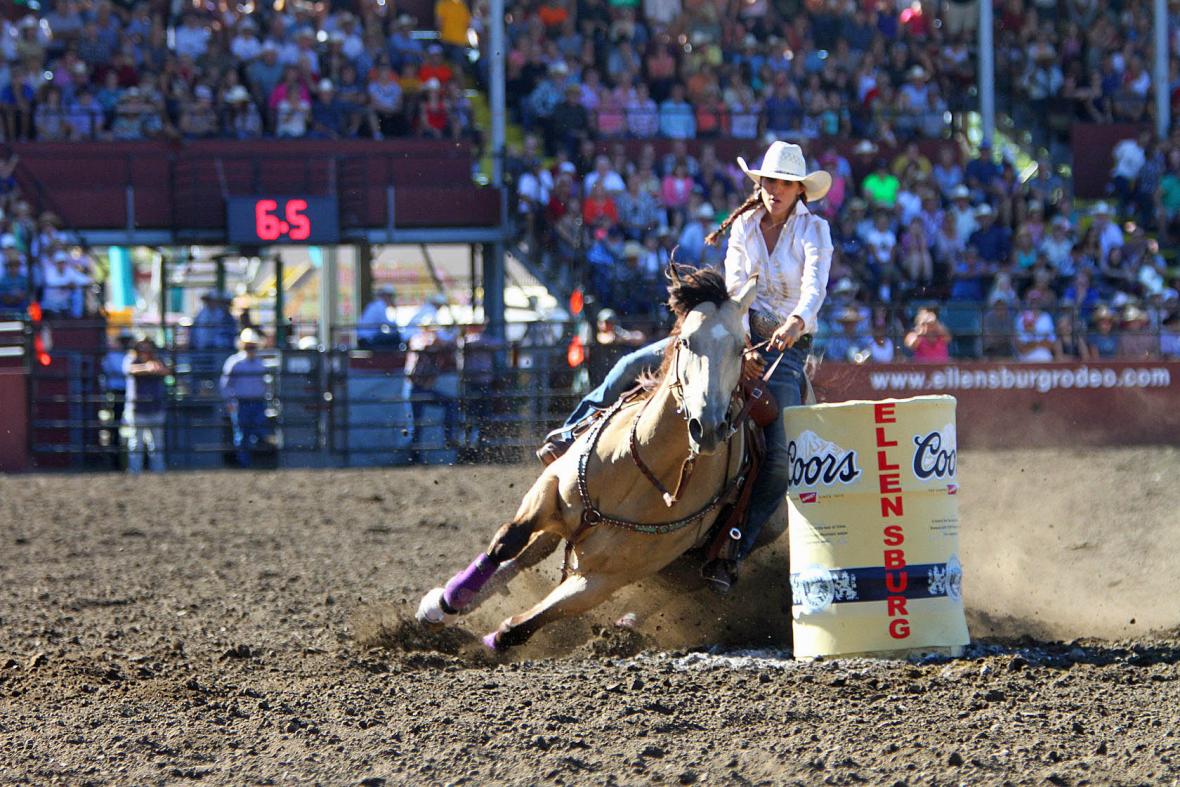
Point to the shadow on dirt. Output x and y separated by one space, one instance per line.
1140 653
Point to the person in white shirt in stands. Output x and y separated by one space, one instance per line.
1129 157
245 45
192 37
63 281
1035 336
378 328
611 180
291 114
1109 234
881 349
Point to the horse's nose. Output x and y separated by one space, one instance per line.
703 436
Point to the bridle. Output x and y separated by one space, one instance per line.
677 388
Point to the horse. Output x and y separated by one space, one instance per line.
605 496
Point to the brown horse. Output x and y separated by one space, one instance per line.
608 496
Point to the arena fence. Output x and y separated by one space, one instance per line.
341 406
325 407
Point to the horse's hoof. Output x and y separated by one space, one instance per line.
431 612
489 642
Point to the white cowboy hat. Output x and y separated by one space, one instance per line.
784 161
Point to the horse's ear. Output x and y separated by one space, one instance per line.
745 294
673 265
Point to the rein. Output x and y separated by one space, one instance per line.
592 516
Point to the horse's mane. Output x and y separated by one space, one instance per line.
688 288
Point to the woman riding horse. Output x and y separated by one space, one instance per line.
774 236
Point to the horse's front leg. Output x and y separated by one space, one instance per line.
573 596
541 545
462 592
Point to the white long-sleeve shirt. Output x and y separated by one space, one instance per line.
794 279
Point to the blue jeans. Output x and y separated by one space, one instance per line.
770 488
250 427
620 379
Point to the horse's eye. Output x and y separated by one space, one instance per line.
683 342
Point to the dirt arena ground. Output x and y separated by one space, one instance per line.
239 628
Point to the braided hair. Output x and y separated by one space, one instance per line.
752 202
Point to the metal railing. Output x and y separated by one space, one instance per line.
342 406
979 332
752 122
336 406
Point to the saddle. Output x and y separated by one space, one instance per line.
725 537
761 405
759 410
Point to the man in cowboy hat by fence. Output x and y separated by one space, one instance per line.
244 389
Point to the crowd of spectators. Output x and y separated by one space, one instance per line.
908 232
602 71
1016 269
1081 60
92 69
41 262
589 78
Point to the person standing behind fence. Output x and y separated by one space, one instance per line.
479 392
114 382
377 329
243 387
432 353
214 327
143 408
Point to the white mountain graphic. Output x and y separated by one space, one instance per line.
950 440
810 444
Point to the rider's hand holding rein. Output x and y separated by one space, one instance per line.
788 333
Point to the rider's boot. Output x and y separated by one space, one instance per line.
720 574
556 444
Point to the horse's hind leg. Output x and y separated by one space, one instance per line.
572 597
462 591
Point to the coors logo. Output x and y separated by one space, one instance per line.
813 460
935 454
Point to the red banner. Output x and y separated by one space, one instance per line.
1010 405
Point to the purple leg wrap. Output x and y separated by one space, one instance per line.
463 586
490 642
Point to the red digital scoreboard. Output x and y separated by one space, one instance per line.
264 221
